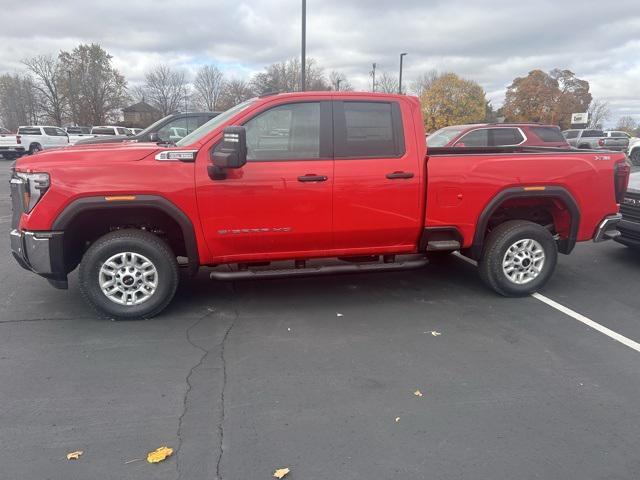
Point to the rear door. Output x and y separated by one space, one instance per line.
278 205
377 190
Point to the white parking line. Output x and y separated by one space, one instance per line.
573 314
587 321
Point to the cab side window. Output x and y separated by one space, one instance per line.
285 132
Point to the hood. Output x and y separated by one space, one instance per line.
106 139
634 182
109 153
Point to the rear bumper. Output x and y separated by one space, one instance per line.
629 233
41 253
608 228
12 151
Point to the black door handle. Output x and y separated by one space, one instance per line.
396 175
312 178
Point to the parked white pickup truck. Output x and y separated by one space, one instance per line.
35 138
78 133
634 152
10 145
109 130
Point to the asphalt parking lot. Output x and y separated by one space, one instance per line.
318 375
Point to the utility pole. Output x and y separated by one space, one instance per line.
400 78
373 75
303 72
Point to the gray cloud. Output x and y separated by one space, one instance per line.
491 41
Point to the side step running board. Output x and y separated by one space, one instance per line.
440 245
320 270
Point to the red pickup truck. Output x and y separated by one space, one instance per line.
329 182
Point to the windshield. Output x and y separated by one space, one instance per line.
443 136
203 130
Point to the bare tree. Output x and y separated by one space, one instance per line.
598 113
208 86
339 82
386 83
235 92
423 82
18 101
627 124
165 88
48 82
285 77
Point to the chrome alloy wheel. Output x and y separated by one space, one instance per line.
128 278
523 261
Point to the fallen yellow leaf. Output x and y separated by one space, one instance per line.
435 334
417 393
74 455
159 455
281 472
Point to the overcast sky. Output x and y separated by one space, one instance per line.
490 41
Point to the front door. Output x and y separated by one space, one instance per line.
378 191
279 204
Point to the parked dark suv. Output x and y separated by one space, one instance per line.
629 226
169 129
498 135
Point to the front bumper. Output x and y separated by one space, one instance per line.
608 228
41 253
629 233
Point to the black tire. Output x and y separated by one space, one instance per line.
585 146
635 157
140 243
496 245
34 148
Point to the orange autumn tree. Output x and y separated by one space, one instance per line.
451 100
546 97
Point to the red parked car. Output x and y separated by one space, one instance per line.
498 135
303 177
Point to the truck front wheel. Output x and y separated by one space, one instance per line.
129 274
518 258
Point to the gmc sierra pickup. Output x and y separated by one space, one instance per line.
303 178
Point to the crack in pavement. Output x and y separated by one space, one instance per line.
202 359
224 386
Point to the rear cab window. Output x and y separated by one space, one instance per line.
103 131
592 133
29 131
569 134
364 129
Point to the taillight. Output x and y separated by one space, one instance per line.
621 180
18 139
601 142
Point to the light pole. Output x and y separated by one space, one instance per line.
373 75
303 72
400 79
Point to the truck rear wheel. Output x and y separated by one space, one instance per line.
129 274
518 258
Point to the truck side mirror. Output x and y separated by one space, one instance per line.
232 151
154 137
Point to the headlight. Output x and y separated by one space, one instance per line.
36 185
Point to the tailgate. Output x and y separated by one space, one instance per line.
8 140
